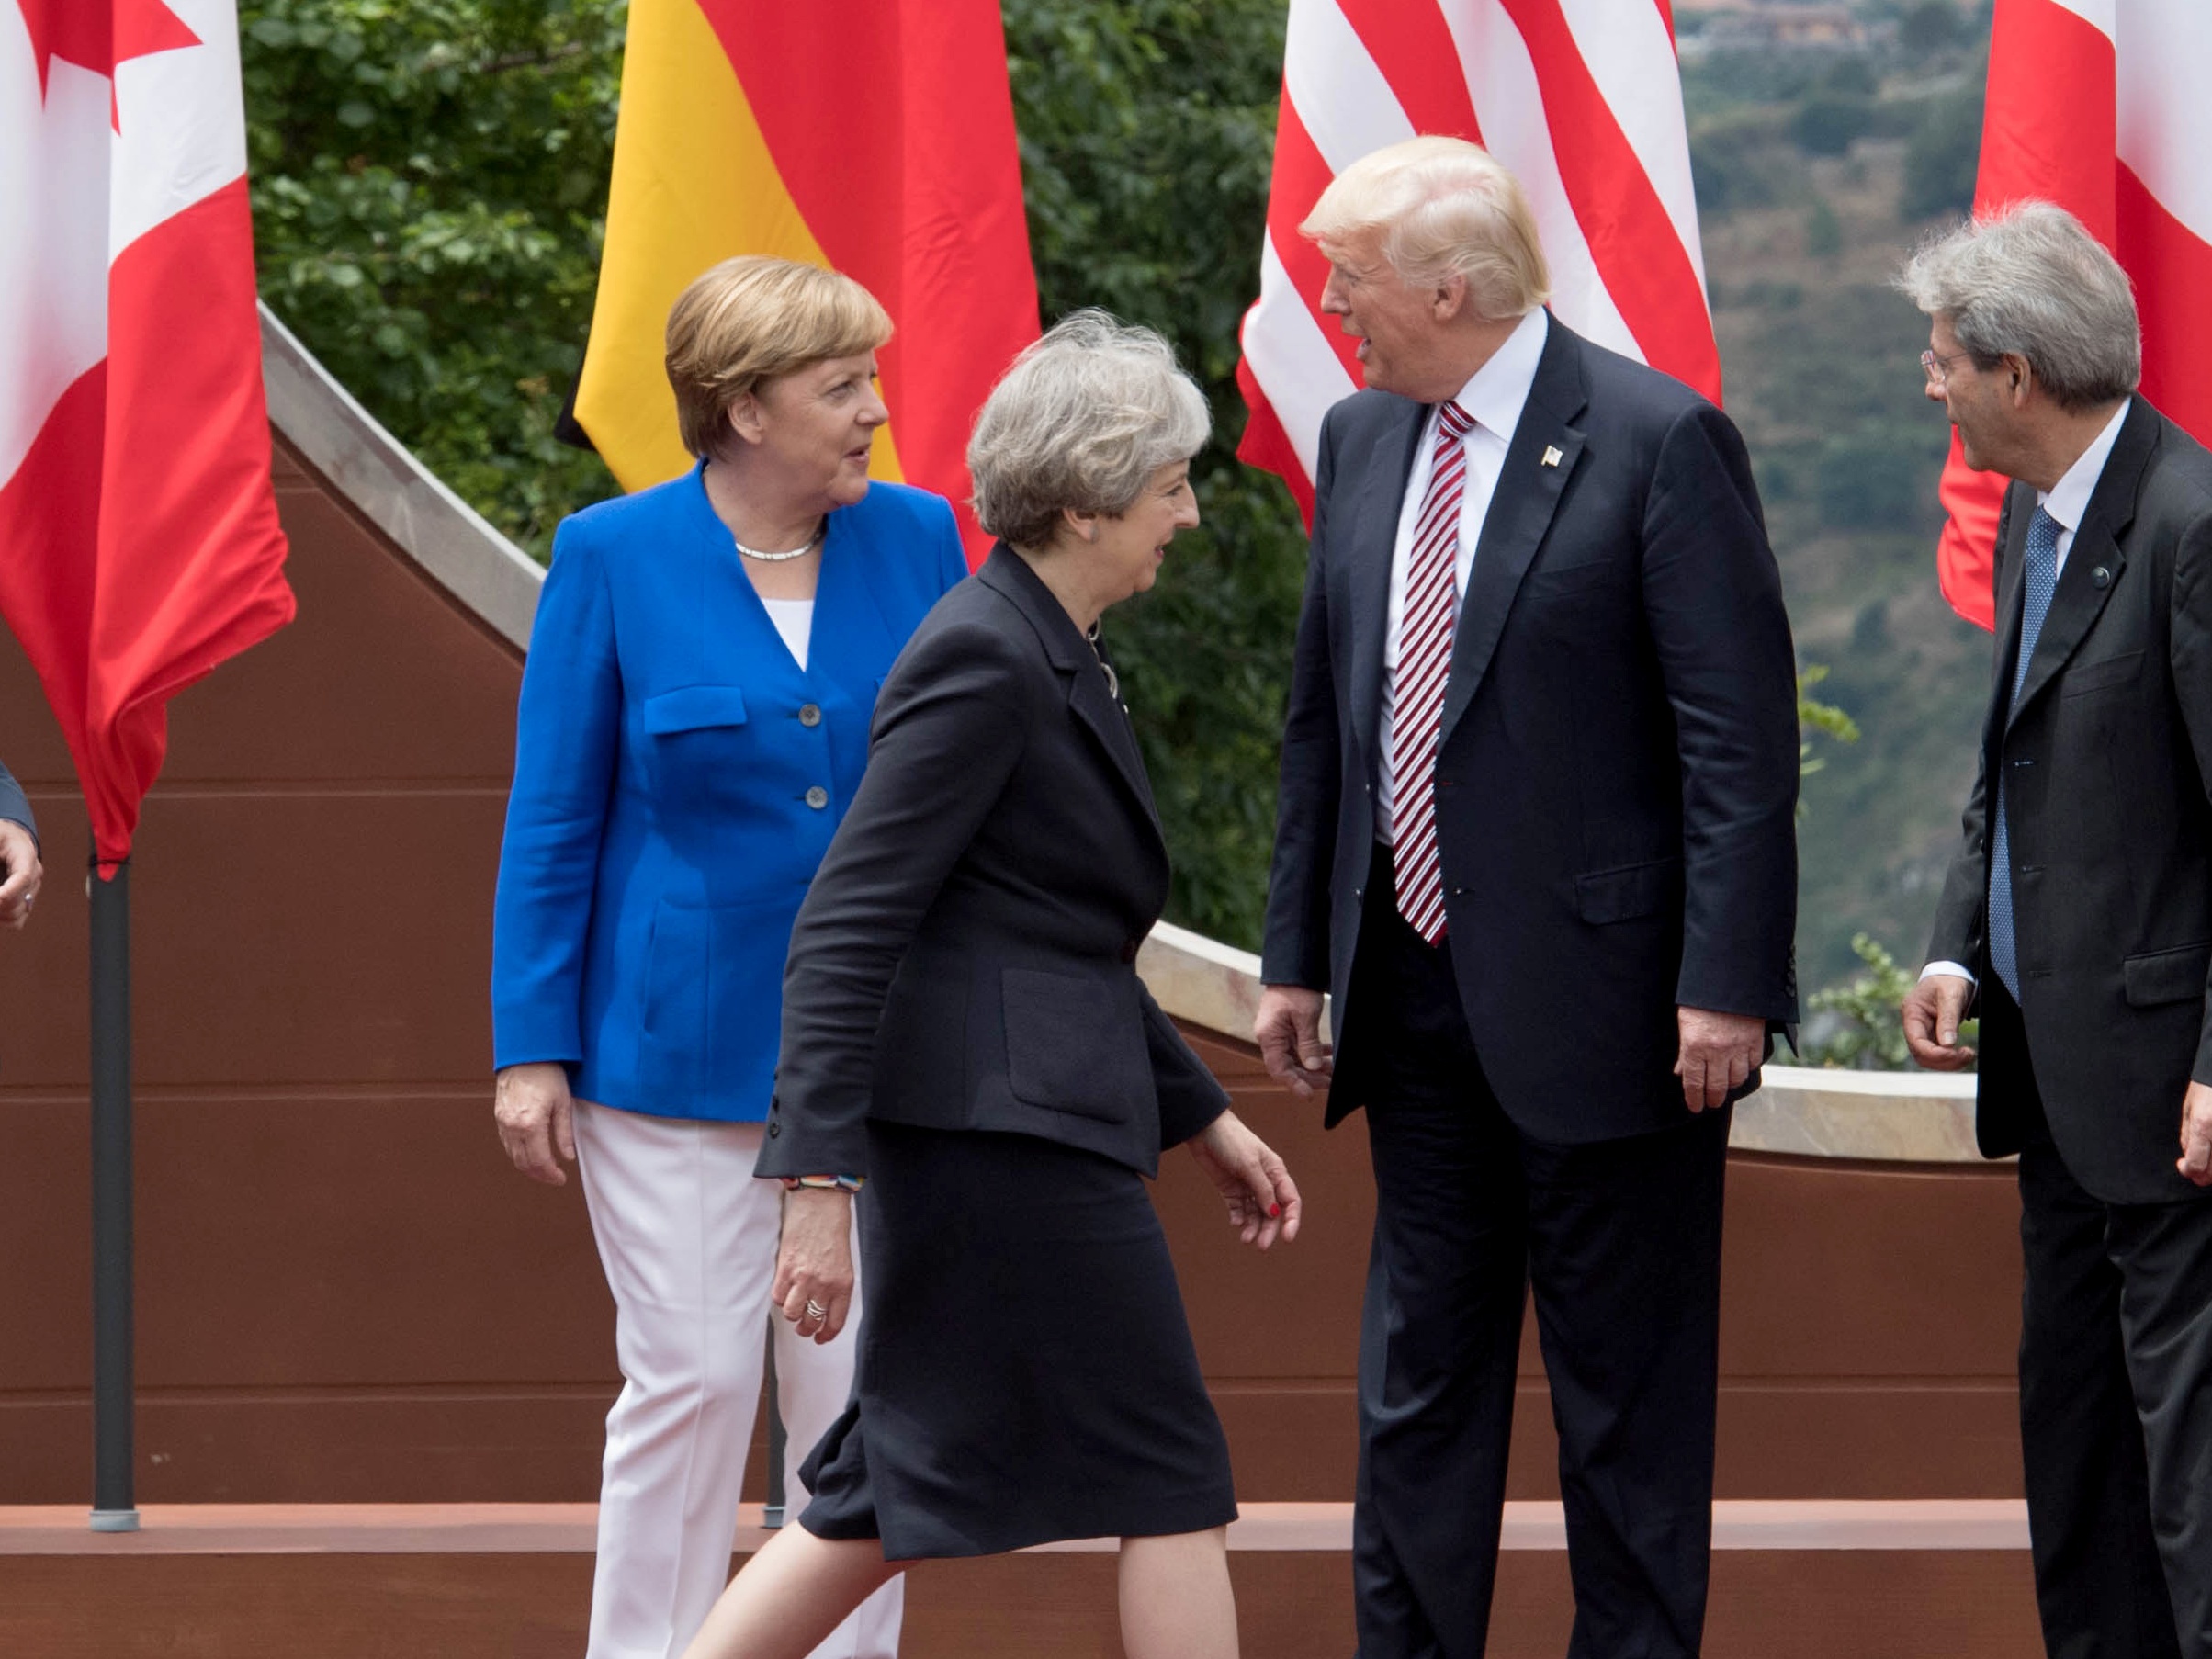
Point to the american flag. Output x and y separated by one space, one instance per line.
1582 99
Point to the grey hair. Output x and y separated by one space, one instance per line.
2030 281
1079 423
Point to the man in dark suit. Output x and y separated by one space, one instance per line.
1536 838
19 869
2079 912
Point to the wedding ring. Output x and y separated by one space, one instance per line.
814 1310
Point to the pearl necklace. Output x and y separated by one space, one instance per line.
800 551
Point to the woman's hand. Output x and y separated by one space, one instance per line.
537 1119
1251 1179
814 1264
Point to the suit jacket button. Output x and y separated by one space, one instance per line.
775 1130
811 714
2100 578
1128 949
818 797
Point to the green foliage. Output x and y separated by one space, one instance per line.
1739 161
1147 137
1869 1035
1826 123
429 187
1930 26
1815 715
1823 230
1881 478
1943 155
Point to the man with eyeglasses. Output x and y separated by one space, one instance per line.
2078 914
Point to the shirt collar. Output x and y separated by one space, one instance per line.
2068 500
1499 390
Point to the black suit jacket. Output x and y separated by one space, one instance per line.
966 956
13 805
2105 762
1617 784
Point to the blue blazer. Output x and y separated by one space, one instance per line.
677 779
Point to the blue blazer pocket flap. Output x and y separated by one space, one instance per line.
2175 976
1627 892
693 708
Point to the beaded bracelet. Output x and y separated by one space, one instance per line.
824 1183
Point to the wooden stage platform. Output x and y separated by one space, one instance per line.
1810 1580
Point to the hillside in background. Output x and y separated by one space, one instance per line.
1818 167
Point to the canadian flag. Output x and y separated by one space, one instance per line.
2102 106
139 541
1581 99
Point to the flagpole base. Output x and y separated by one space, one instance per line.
115 1520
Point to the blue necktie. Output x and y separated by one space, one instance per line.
2042 579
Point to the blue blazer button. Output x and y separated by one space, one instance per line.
818 797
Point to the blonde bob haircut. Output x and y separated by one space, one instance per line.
1446 208
752 319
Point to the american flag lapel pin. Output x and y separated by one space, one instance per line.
1553 455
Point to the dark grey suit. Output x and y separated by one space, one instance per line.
965 957
2105 754
1615 791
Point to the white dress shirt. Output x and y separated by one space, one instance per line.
2066 501
1493 398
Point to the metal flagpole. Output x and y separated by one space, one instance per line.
113 1403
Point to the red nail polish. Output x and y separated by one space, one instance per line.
1273 1211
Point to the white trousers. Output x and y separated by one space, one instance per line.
688 1239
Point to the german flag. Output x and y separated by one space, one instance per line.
873 136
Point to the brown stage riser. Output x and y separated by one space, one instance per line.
1288 1443
1804 1605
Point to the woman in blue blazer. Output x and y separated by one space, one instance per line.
694 722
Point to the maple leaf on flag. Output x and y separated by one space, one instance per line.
99 34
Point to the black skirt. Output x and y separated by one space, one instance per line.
1026 1371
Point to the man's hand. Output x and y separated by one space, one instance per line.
21 872
2196 1135
1931 1010
1719 1052
1288 1029
537 1119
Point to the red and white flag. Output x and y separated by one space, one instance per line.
1580 99
138 542
2102 106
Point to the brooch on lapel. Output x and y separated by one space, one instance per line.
1553 455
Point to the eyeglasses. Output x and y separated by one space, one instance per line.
1939 368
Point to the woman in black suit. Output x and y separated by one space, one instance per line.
963 1029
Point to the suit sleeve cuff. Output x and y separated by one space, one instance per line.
1949 969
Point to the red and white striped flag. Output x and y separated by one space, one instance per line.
2103 106
138 542
1580 99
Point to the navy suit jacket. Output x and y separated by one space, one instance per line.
677 780
1617 783
12 805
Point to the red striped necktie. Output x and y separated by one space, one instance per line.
1424 667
